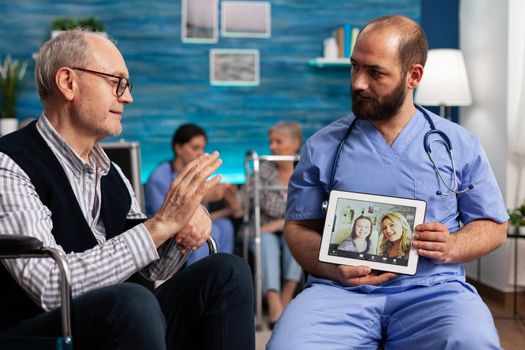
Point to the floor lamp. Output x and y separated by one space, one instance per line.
444 81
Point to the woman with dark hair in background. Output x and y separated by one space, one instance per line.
188 142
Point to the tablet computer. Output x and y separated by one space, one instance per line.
371 230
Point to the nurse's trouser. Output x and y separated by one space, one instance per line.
449 315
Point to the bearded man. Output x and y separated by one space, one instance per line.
379 149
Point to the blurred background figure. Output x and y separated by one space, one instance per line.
188 142
277 262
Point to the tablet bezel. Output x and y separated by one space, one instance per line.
419 217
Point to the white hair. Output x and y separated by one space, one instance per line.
292 129
68 49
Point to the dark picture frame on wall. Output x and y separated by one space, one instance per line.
246 19
199 21
234 67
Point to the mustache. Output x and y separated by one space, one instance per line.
359 94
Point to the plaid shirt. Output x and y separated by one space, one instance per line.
111 261
272 201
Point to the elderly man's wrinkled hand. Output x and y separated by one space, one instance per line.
184 198
195 233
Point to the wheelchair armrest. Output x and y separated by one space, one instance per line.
12 244
212 246
17 246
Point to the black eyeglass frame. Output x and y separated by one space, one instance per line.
121 88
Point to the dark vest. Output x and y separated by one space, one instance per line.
71 231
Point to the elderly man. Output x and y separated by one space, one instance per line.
59 186
381 151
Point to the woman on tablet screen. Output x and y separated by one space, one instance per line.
359 239
395 236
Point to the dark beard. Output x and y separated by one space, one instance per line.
373 108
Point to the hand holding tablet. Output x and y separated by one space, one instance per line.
370 230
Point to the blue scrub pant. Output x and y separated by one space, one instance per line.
449 315
222 231
272 246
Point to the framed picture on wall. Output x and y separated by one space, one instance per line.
234 67
199 21
246 19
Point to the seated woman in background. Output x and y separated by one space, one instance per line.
188 142
395 236
285 139
359 239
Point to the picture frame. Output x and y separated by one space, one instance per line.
234 67
381 240
199 21
246 19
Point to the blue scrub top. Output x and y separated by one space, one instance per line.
157 186
368 165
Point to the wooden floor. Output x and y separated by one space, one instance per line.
511 328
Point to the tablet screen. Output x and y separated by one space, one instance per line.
372 230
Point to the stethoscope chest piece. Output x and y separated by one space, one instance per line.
324 207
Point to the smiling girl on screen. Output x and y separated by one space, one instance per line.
396 235
359 239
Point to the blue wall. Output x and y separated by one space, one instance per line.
171 78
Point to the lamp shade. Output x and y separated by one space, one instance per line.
444 80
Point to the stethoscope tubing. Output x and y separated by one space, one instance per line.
443 138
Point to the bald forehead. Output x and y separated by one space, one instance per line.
105 54
396 25
382 39
97 42
384 33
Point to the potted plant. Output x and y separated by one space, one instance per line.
65 23
93 24
11 79
517 220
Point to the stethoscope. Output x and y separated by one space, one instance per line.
442 138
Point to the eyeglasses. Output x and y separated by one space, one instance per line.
122 84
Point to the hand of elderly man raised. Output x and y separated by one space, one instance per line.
181 215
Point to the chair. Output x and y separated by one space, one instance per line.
127 156
253 158
212 245
17 246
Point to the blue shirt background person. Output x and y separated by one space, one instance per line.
384 155
188 142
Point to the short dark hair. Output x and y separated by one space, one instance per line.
185 133
413 43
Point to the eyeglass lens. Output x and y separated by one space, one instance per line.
123 83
